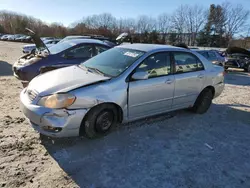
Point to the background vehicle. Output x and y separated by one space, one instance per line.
97 37
16 36
238 58
5 37
57 56
19 39
30 48
123 84
213 56
66 53
47 38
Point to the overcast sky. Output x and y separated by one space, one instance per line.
69 11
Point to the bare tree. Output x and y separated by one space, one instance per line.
179 21
106 20
164 24
236 17
196 18
126 25
145 24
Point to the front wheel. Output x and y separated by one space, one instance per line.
203 102
99 121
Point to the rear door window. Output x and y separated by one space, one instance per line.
186 62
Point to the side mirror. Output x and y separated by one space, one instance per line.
142 75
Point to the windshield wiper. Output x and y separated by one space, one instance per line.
83 67
92 69
96 70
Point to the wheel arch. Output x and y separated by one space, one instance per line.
210 88
117 107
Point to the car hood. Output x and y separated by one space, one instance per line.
63 80
237 50
37 40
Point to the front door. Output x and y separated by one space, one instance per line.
155 94
78 54
189 79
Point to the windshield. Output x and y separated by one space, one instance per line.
113 62
59 47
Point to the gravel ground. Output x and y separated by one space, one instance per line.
187 150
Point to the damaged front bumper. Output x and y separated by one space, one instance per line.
52 122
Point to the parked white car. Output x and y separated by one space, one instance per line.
30 48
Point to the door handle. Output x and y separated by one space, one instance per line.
200 76
169 81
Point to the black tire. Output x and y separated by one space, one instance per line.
99 121
203 102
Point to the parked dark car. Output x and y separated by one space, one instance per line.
238 58
71 52
213 56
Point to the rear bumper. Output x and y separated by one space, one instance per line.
68 122
218 89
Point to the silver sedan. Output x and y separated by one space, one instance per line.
123 84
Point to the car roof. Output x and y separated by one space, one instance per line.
149 47
80 41
198 50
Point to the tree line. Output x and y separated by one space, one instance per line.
189 24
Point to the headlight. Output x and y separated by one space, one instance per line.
57 100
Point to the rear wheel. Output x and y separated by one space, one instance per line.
99 121
203 102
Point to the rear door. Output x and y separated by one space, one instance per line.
189 79
155 94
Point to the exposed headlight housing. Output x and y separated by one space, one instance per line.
60 100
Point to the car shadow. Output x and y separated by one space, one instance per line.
187 150
237 78
5 69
